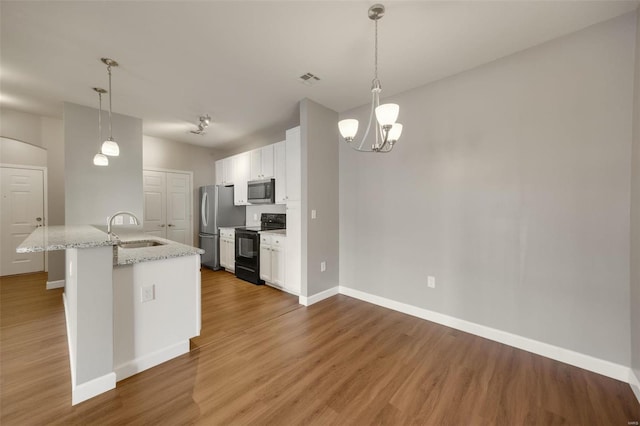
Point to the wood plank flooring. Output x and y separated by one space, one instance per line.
264 359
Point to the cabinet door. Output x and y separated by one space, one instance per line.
179 208
256 164
220 172
293 247
241 166
267 162
228 172
294 174
154 203
265 263
279 151
231 253
223 253
278 263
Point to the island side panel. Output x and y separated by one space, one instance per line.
156 312
88 306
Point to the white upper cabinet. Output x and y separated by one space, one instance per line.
262 163
241 166
228 171
294 171
280 171
220 172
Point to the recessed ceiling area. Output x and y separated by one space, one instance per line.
241 62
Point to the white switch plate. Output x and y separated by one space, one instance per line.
148 293
131 221
255 216
431 281
119 220
323 266
313 214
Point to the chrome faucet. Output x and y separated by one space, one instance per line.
110 222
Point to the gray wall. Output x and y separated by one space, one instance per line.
318 133
91 192
47 133
635 216
511 186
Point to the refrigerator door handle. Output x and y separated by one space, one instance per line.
204 208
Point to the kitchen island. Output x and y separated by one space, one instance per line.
127 309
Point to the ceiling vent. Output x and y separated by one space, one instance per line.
308 79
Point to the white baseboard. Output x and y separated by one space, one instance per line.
55 284
315 298
600 366
634 382
95 387
137 365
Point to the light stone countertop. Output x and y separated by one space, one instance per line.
52 238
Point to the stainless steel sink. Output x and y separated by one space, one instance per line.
139 244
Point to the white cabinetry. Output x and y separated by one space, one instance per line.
293 161
167 205
280 171
262 163
241 166
228 249
224 171
272 260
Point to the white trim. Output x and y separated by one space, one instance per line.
634 382
72 360
600 366
137 365
55 284
95 387
315 298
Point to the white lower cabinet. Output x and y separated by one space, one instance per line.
272 260
228 249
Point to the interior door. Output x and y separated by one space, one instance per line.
21 212
154 216
179 208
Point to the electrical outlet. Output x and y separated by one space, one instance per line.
148 293
119 220
313 214
323 266
431 281
132 221
255 216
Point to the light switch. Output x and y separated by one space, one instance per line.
313 214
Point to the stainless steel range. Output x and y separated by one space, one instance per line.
248 246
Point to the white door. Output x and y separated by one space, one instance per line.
179 208
21 212
154 208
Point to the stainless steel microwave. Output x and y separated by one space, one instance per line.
261 191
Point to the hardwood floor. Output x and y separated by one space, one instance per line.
264 359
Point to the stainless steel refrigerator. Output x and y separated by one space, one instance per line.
217 210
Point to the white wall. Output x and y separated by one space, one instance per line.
635 216
91 192
511 186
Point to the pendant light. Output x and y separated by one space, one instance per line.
387 131
100 159
110 147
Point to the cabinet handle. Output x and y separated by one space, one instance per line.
170 224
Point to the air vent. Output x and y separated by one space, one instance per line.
308 79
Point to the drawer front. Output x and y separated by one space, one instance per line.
265 239
278 241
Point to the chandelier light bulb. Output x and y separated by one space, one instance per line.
387 114
395 132
110 148
348 128
100 159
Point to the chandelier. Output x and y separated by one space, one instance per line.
110 147
387 131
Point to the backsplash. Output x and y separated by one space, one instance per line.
254 212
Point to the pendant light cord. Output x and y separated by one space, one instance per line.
375 55
110 132
99 122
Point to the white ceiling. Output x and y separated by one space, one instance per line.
239 60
